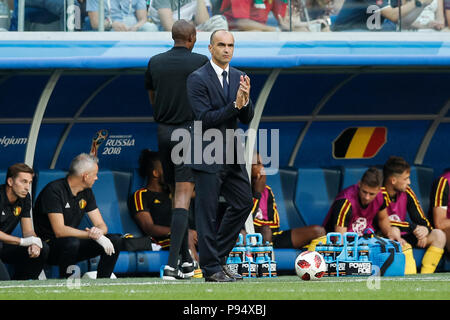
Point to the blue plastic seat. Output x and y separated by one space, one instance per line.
351 175
283 187
421 181
315 192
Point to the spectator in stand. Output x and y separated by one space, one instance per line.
165 13
121 15
431 18
447 13
367 15
242 15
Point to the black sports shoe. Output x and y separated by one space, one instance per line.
170 273
187 269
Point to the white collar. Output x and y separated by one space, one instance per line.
219 70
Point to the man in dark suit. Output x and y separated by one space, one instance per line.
219 95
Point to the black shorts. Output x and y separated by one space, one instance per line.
172 172
282 239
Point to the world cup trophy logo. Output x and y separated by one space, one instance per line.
97 140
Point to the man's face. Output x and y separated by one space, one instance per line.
367 194
222 48
21 184
401 181
158 172
90 177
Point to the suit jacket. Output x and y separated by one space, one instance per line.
215 111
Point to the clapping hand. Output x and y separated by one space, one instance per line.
243 94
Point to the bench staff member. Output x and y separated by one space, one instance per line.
27 254
59 210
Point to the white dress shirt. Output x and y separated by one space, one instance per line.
219 71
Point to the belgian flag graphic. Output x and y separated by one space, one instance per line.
359 143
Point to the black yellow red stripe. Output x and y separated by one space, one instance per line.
359 143
276 217
343 213
386 197
164 243
440 193
403 224
418 206
139 204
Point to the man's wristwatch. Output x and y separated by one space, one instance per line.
418 3
235 106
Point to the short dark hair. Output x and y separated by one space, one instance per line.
15 169
372 177
147 162
395 165
182 30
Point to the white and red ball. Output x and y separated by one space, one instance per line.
310 265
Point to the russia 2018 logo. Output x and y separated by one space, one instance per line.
97 140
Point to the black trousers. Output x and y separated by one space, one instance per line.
65 252
24 267
215 240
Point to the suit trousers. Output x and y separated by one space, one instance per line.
216 239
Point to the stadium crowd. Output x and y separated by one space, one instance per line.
236 15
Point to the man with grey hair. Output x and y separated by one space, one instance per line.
58 212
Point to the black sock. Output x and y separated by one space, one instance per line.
178 230
184 252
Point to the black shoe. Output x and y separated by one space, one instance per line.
172 274
187 269
231 274
219 277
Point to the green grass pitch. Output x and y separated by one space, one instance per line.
414 287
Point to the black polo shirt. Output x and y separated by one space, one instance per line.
166 75
158 204
57 197
11 213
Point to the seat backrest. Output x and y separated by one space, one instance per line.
421 181
315 192
44 177
107 193
283 188
136 183
351 175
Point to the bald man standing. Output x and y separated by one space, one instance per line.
220 97
165 81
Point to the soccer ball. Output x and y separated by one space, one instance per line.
310 265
